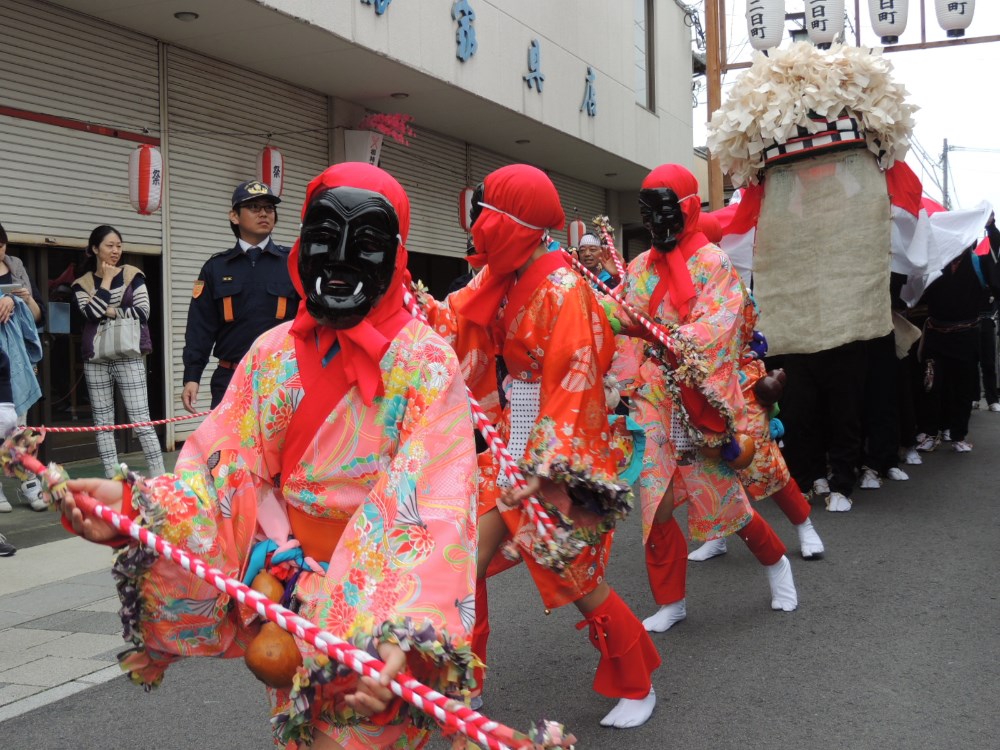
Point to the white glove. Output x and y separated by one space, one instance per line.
8 419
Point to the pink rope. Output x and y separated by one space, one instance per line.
446 710
560 547
110 427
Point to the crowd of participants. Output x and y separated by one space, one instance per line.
339 459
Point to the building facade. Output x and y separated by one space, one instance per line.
594 92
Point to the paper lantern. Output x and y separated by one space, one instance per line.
765 23
145 179
362 145
954 16
824 21
271 169
888 18
575 231
465 209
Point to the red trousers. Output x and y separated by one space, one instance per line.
792 502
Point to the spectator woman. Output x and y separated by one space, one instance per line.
12 272
105 292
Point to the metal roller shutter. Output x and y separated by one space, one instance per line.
218 118
59 182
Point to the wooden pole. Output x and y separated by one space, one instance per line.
713 74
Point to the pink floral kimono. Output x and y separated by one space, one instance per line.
398 476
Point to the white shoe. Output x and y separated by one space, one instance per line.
975 404
869 479
821 487
709 550
946 436
631 713
995 407
897 475
927 443
961 446
666 617
809 541
911 457
783 595
4 503
837 503
31 493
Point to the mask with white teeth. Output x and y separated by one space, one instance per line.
347 256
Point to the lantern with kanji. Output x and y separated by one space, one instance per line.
765 23
955 15
575 231
824 21
465 209
145 179
888 18
271 169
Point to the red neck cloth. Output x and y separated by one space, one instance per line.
524 203
363 346
671 266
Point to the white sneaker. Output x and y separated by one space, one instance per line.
975 404
995 407
837 503
4 503
946 436
911 457
961 446
927 444
821 487
869 479
897 475
31 493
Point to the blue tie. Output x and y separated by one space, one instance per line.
254 253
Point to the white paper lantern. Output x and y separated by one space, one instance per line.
145 179
824 21
465 209
362 145
765 23
888 18
271 169
955 15
575 231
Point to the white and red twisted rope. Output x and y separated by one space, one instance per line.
110 427
601 222
545 528
446 710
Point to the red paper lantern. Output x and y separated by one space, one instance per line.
465 209
575 231
271 169
145 179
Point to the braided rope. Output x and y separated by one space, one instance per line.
110 427
450 712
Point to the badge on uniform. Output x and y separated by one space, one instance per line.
199 287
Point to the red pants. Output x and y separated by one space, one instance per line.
792 502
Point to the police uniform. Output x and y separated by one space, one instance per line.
236 299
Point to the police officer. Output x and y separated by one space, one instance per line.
239 294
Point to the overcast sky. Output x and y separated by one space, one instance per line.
956 89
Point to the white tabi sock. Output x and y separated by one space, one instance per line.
783 594
667 616
809 541
631 713
709 550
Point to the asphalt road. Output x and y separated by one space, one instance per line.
894 644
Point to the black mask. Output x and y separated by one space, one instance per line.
347 254
662 216
477 198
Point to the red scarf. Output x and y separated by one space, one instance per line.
525 203
671 266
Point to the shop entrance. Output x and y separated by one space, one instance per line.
65 401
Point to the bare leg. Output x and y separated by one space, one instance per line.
492 531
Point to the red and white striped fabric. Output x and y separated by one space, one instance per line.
145 179
271 169
465 209
575 231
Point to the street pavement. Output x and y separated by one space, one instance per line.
894 644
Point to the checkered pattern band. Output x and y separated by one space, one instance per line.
841 131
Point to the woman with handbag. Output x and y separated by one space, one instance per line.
115 304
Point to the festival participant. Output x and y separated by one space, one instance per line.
690 396
767 475
341 436
556 344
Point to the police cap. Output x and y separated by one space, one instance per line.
247 191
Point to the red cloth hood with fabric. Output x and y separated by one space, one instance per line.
711 227
671 266
529 197
363 346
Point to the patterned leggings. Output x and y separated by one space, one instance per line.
130 374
